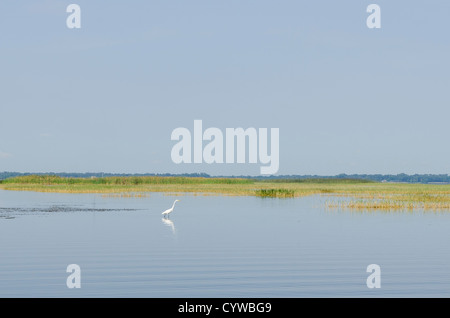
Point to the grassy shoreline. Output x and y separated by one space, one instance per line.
350 194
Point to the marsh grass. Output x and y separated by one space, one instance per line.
130 181
321 181
275 193
355 194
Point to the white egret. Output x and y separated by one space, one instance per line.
166 212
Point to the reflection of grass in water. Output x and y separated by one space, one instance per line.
126 195
356 194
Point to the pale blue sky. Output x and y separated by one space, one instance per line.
106 97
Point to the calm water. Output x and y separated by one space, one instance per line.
216 247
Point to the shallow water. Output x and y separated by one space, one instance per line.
216 246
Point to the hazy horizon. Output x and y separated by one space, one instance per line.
112 174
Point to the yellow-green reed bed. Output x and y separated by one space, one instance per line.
347 193
46 183
56 180
395 197
275 193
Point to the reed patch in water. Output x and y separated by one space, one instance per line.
275 193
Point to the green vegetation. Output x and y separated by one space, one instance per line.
275 193
52 183
346 193
57 180
416 178
321 180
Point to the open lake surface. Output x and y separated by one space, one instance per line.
216 246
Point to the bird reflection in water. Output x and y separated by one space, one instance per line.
169 223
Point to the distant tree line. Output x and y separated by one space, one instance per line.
402 177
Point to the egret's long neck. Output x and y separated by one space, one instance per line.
173 205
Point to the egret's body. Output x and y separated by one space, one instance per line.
168 211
